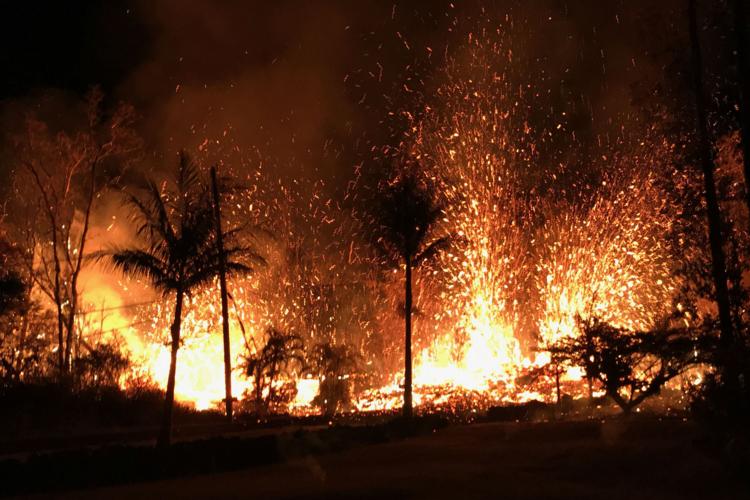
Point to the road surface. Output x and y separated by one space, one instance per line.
491 460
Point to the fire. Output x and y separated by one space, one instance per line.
490 353
611 261
535 248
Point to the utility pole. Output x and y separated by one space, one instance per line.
224 302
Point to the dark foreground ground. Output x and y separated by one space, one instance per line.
646 459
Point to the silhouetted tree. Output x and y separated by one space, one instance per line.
24 325
177 253
12 291
57 181
406 215
713 213
224 295
743 80
282 355
630 366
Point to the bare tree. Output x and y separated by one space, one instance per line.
58 179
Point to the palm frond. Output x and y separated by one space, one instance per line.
433 249
406 213
134 262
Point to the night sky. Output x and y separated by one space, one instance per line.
310 83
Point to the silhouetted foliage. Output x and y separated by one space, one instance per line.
103 365
281 357
26 343
629 366
177 254
406 215
335 366
25 327
12 292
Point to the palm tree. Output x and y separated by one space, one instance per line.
281 355
406 215
177 252
333 365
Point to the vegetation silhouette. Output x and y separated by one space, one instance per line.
406 214
334 365
281 356
177 253
61 176
629 366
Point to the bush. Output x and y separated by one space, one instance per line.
630 366
48 405
334 365
102 366
271 367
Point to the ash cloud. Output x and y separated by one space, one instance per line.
310 84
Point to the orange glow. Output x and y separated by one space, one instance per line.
527 261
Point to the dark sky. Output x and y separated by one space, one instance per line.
296 80
69 45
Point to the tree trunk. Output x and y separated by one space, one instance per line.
712 205
19 359
743 73
76 268
407 347
165 434
69 328
57 296
224 302
59 308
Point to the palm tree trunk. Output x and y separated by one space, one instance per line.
165 434
407 347
714 216
224 302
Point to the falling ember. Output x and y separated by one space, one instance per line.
200 370
608 260
535 248
530 259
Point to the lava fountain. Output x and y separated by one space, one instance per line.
533 252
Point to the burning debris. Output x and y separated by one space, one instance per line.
533 252
538 242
